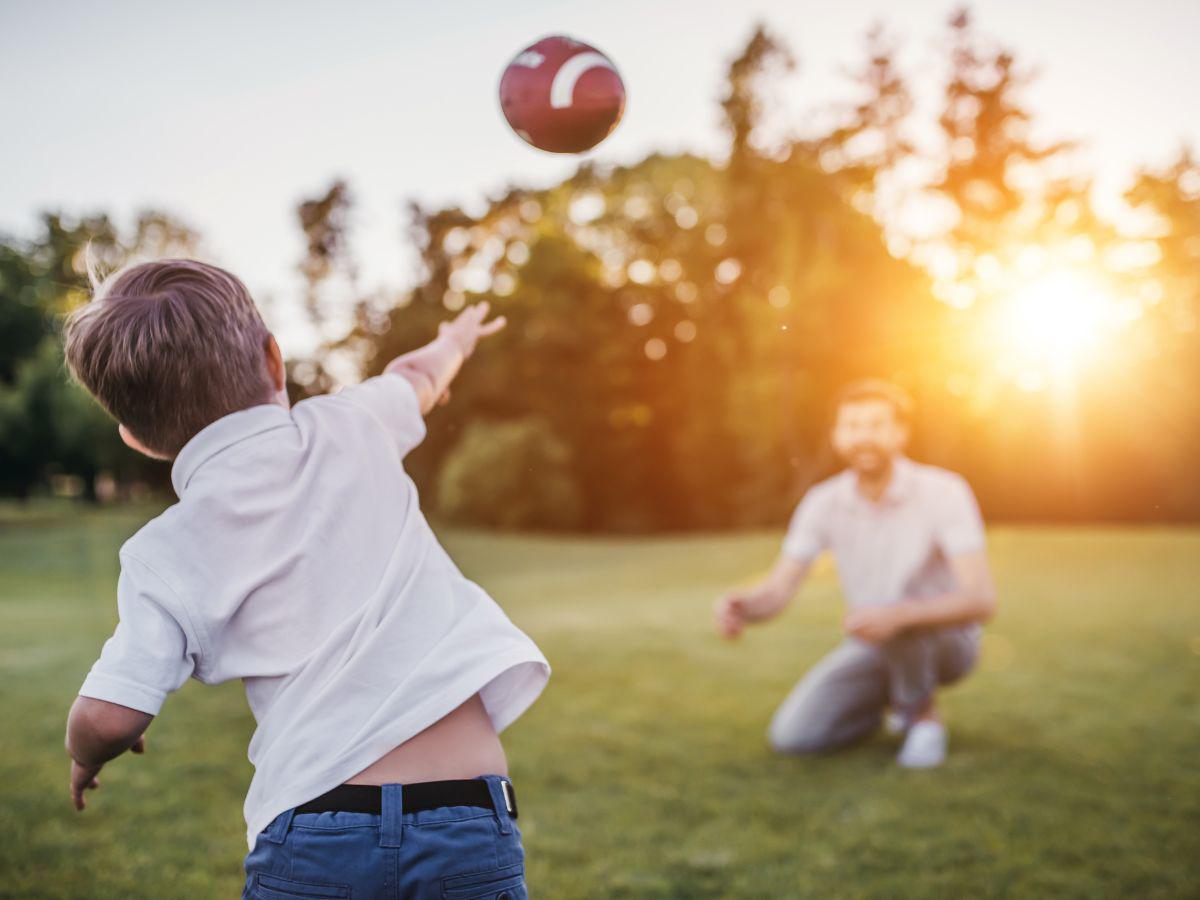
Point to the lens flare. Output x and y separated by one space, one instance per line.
1051 325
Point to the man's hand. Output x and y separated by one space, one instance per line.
732 611
877 624
84 778
468 327
973 601
763 601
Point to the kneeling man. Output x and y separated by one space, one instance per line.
908 542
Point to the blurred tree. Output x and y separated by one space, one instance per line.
1166 400
763 57
327 266
872 138
991 157
1173 196
513 474
48 425
679 325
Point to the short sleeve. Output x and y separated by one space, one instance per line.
958 524
392 400
807 534
150 654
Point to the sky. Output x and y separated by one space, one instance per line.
228 114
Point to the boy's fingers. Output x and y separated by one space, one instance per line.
493 326
139 746
77 792
472 312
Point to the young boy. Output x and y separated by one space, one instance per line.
297 560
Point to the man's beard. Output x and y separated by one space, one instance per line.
868 460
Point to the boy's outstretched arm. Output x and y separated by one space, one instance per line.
431 368
98 731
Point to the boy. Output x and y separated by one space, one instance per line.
297 559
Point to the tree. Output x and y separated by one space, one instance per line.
48 425
677 325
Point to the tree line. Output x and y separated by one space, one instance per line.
679 326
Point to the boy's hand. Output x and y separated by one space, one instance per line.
84 778
431 369
468 327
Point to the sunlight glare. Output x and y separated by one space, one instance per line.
1053 322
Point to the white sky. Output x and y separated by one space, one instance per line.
207 110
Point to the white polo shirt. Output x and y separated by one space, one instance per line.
297 559
897 548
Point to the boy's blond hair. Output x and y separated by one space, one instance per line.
168 347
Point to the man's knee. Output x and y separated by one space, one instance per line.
912 665
957 657
804 737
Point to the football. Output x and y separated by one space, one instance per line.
562 95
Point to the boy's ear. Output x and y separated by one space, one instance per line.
134 444
275 367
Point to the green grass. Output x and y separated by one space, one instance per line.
643 770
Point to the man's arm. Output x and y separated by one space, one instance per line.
431 369
762 601
98 731
974 600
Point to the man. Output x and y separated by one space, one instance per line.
909 546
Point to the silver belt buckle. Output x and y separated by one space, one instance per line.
510 802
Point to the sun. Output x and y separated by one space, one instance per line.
1050 325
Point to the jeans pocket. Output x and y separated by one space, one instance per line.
272 887
507 883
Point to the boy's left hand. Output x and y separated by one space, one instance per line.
84 778
469 326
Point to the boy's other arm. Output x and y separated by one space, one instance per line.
431 369
98 731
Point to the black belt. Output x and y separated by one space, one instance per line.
424 795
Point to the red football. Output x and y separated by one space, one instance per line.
561 95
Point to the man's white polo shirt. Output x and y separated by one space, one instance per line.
894 549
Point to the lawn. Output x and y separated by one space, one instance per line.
643 771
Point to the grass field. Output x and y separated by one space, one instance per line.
643 771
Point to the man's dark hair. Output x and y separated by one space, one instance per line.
877 389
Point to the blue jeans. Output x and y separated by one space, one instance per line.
452 853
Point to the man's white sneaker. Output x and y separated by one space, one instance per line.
925 746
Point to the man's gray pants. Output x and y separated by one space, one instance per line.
842 698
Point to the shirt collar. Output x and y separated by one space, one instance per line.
903 473
898 489
223 433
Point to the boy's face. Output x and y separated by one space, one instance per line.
868 436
